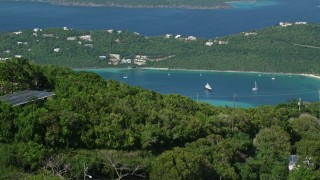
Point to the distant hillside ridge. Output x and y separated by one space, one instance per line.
287 47
185 4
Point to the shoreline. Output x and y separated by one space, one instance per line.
204 70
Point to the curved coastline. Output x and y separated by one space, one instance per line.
205 70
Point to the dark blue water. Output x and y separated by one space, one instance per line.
159 21
226 85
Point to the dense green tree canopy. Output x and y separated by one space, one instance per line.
116 132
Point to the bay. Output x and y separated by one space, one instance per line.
159 21
229 88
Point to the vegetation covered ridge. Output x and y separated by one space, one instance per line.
286 48
109 130
185 4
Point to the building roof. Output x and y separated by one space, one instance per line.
24 97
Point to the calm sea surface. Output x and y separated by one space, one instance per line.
228 88
159 21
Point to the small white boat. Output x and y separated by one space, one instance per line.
125 76
208 87
273 78
255 88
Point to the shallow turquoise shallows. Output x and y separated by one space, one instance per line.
228 88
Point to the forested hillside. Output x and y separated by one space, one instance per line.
109 130
293 49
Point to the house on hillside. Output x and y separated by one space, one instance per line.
71 38
114 59
85 37
56 50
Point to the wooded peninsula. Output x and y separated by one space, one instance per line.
185 4
284 48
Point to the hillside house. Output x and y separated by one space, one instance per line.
22 43
250 33
65 28
37 29
223 42
140 59
300 23
191 38
85 38
114 59
168 36
102 57
110 30
177 36
71 38
209 43
56 50
18 56
285 24
17 32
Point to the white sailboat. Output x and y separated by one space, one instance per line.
125 76
208 87
255 88
273 78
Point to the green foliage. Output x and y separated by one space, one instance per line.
180 164
292 49
119 131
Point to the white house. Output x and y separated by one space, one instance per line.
110 30
65 28
23 43
223 42
191 38
209 43
71 38
250 33
85 37
177 36
56 49
285 24
18 56
102 57
168 36
299 23
17 32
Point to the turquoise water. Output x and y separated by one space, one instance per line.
229 88
253 3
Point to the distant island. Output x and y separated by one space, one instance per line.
185 4
289 47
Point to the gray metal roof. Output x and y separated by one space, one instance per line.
24 97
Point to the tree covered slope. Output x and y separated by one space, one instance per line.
294 49
109 130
